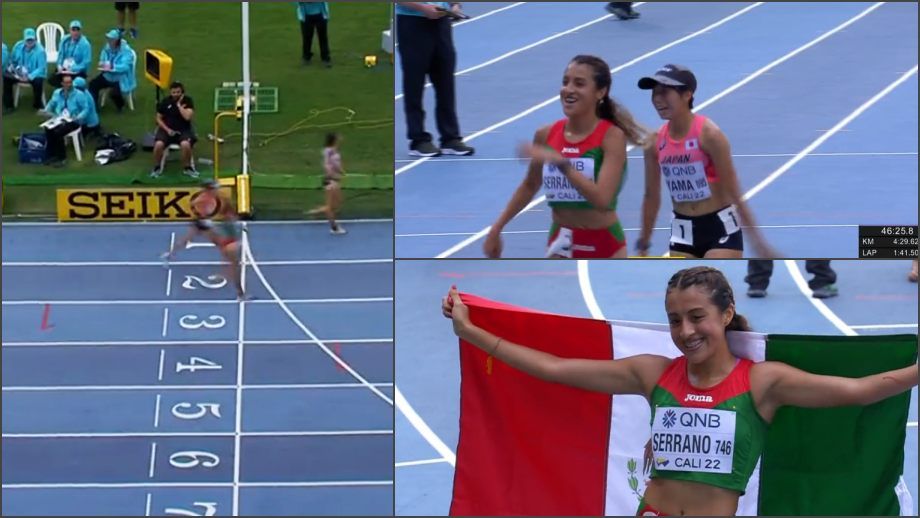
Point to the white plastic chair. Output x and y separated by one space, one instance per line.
49 36
77 137
129 97
16 91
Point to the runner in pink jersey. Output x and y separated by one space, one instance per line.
693 158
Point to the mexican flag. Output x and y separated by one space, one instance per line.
528 447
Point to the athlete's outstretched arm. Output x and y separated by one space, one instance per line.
633 375
715 143
521 197
784 385
651 200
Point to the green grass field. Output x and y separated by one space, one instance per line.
204 40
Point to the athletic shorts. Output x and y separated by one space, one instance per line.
647 510
696 235
121 6
578 243
331 183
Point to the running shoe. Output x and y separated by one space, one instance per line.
338 230
424 149
825 292
456 147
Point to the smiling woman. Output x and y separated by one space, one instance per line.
580 161
710 408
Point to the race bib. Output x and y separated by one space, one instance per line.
682 231
558 188
693 439
729 217
686 182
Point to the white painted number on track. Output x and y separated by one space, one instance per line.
216 281
203 409
197 363
210 509
192 459
195 322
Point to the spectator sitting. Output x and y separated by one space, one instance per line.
174 126
116 63
70 104
91 122
28 64
74 55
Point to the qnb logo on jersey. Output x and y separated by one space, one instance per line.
668 418
698 398
571 150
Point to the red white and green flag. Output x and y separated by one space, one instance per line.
529 447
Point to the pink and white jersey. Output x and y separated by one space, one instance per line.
688 172
332 162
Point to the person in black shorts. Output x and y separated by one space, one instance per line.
174 126
131 8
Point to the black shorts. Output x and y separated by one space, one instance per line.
696 235
162 136
133 6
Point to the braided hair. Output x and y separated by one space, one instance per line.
721 291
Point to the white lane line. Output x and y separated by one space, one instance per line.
148 504
238 421
153 459
482 233
116 302
309 262
555 98
823 138
529 46
280 386
426 432
134 485
640 157
156 411
409 463
884 326
287 310
162 365
168 281
194 343
122 435
544 231
822 308
165 320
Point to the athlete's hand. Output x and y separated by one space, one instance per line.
493 245
541 153
452 307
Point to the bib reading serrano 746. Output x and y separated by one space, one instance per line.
713 436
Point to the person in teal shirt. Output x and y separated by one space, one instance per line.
91 122
28 63
6 57
66 102
74 54
314 16
117 66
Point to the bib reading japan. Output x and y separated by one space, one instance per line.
693 439
686 180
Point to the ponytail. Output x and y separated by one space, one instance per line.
612 111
